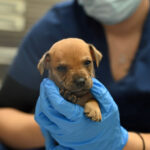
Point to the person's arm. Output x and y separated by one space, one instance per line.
135 142
19 130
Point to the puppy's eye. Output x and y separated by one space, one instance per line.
61 68
87 62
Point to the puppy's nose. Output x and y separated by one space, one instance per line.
80 82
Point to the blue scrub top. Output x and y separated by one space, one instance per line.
67 19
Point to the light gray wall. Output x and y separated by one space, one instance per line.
35 9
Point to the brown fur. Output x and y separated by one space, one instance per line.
70 65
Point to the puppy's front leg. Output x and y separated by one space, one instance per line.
92 110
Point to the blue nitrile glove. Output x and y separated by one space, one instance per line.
67 124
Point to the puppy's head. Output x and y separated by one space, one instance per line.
70 64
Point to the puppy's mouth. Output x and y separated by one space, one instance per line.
77 93
80 92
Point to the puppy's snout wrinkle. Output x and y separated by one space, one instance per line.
79 82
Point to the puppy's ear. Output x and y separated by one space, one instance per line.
96 55
44 63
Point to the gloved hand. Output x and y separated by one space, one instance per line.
66 123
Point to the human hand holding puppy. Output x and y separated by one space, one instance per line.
70 66
66 123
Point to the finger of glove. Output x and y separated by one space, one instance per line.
98 89
67 109
45 125
52 120
103 96
49 141
59 147
44 119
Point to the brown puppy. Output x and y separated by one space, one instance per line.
70 65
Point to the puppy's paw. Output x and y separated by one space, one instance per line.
92 110
68 96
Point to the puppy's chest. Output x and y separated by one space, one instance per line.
76 99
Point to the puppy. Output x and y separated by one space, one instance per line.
70 65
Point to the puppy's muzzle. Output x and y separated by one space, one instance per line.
79 82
